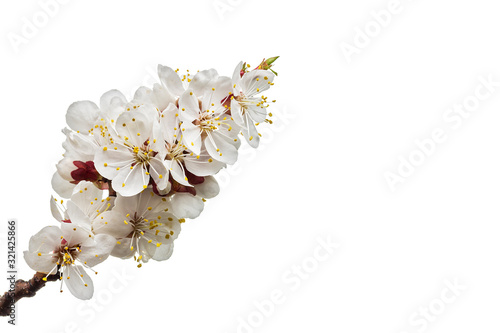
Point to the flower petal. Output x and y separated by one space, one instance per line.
170 80
135 127
163 252
61 186
191 137
169 123
81 116
97 250
208 189
77 217
78 282
189 106
199 82
178 173
110 160
112 223
75 234
111 99
56 212
46 240
130 182
185 205
255 82
42 264
158 172
205 165
220 149
236 113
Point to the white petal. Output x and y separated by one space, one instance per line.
135 127
254 82
208 189
112 98
87 197
56 213
191 137
157 169
178 173
170 80
162 97
65 167
251 134
75 234
169 123
61 186
46 240
122 250
219 91
203 166
42 264
236 73
236 113
81 116
97 250
112 223
77 217
146 201
163 252
129 182
189 106
79 283
199 83
256 113
185 205
220 149
79 146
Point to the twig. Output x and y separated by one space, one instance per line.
24 289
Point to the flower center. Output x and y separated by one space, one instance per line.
141 155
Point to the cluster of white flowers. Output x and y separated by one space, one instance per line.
135 170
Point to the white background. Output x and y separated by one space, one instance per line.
319 173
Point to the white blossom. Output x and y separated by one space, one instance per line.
69 250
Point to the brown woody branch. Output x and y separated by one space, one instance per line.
24 289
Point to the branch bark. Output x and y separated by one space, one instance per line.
24 289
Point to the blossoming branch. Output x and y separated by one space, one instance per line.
134 171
